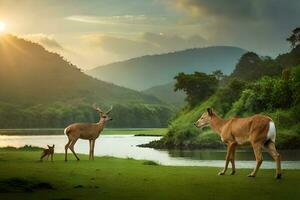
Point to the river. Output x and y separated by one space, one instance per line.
125 146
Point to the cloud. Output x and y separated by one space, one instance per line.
119 46
257 25
173 42
222 8
146 43
115 19
46 40
237 10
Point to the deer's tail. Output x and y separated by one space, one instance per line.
66 131
271 135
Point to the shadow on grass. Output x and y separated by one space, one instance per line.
23 185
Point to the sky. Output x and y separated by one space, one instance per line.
97 32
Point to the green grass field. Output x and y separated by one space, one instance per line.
22 176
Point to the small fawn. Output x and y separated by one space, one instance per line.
47 152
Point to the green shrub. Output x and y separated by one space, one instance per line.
149 162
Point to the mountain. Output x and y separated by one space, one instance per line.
39 88
167 94
148 71
29 73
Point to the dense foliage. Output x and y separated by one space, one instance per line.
60 115
253 67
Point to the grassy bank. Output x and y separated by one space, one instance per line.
106 131
22 176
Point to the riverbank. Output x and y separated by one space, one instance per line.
106 131
22 176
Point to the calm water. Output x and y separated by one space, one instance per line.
125 146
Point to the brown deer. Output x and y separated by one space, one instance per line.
86 131
257 130
47 152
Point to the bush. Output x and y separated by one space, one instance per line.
228 94
150 162
266 94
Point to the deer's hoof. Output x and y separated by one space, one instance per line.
221 173
232 173
251 175
278 176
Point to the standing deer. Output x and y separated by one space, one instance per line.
258 130
86 131
48 152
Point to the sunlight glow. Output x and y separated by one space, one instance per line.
2 26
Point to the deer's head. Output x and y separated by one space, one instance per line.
205 119
104 116
51 147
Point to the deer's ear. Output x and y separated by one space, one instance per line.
209 111
53 146
48 146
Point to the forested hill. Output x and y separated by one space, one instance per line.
147 71
41 89
30 74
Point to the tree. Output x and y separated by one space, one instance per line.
247 67
294 39
197 86
229 93
252 67
218 74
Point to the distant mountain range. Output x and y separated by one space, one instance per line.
167 94
147 71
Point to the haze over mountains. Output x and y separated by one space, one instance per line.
147 71
167 94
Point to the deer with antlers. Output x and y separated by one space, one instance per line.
258 130
86 131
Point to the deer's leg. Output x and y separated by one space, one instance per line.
93 147
90 153
232 159
66 149
42 156
47 157
258 156
228 155
72 147
276 156
52 157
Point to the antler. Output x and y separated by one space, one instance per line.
97 108
111 107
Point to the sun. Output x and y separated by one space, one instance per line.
2 26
